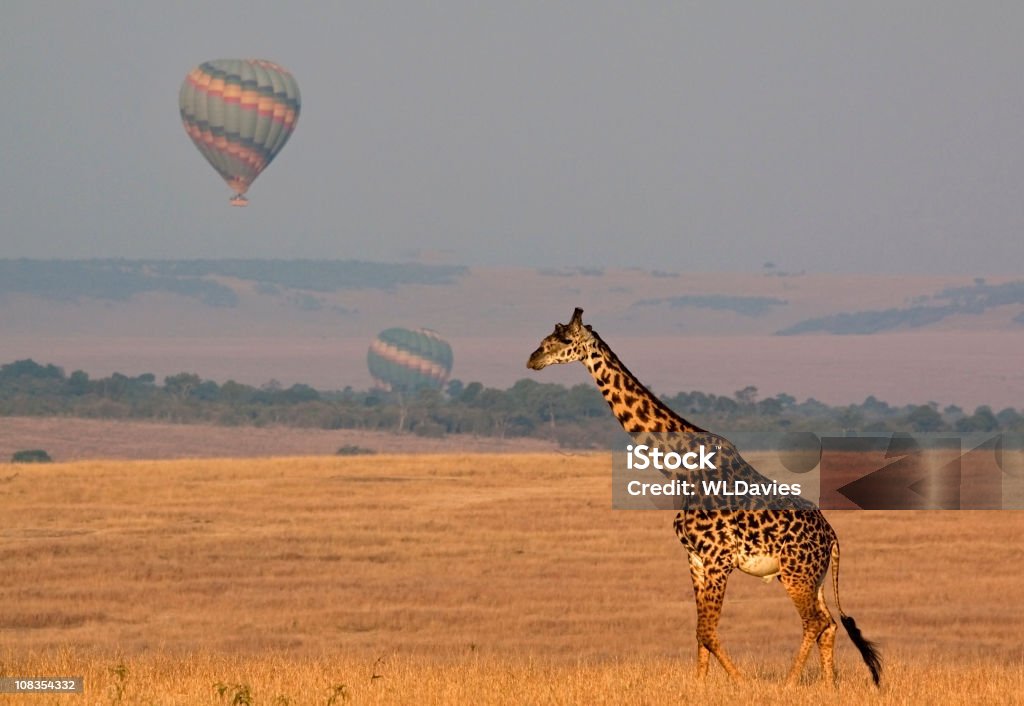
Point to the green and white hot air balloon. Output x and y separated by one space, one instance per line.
239 113
405 360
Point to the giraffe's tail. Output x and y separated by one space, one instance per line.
868 650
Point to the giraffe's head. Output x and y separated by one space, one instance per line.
570 342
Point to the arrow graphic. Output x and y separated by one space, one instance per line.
910 483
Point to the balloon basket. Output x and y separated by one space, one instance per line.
239 200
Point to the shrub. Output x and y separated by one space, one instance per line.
431 430
31 456
353 450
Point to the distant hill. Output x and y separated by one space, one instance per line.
642 301
311 321
951 301
120 280
747 306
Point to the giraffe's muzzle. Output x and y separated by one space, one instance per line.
536 361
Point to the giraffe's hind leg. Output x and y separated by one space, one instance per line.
827 642
817 623
709 590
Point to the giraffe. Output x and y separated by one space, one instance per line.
788 538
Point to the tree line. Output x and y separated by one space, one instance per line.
574 416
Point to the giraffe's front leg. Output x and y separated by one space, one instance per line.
697 576
709 591
703 660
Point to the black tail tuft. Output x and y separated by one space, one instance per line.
868 650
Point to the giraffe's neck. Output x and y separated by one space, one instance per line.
636 407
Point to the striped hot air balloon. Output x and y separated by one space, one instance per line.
405 360
239 113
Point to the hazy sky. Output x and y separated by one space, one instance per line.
856 137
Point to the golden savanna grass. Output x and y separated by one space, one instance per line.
456 579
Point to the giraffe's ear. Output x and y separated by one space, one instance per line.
588 327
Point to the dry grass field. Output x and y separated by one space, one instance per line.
76 439
456 579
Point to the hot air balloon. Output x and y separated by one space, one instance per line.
405 360
239 113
